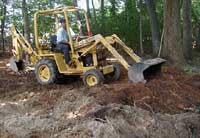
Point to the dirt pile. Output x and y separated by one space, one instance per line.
114 109
171 92
116 120
112 120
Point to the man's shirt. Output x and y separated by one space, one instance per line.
62 35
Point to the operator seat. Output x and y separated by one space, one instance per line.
53 44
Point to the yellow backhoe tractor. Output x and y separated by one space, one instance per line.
89 53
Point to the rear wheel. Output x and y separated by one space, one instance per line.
46 71
93 77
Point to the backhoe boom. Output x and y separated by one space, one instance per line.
20 45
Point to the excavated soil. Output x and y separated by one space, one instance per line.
163 107
171 92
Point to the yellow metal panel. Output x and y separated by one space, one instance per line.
65 69
94 56
107 69
60 62
110 40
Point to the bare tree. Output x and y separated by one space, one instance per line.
150 4
187 28
4 10
141 17
94 12
172 33
102 17
88 9
75 4
26 20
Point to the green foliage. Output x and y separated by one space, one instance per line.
195 19
121 18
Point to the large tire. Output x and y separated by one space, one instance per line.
46 71
93 77
115 75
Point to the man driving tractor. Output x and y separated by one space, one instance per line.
63 42
50 63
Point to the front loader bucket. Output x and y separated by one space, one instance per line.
16 65
140 72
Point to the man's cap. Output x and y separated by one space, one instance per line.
62 20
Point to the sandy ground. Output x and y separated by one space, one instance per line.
164 107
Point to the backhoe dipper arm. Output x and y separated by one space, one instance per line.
20 44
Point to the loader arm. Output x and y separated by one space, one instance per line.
112 50
128 50
138 72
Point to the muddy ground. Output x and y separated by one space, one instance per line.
167 106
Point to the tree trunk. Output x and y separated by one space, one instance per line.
102 17
26 20
113 7
141 44
172 35
76 5
94 12
51 2
154 25
3 24
89 14
187 28
88 9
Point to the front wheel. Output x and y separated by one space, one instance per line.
46 71
115 75
93 77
